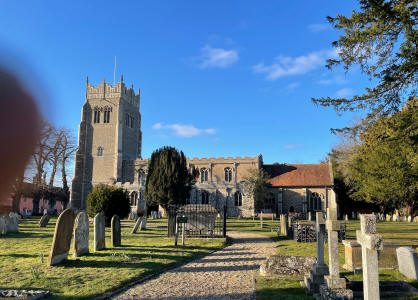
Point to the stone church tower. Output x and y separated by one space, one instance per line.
109 135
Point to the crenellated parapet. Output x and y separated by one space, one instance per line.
108 91
224 160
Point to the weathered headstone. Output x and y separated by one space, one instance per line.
81 235
136 226
283 225
44 220
334 285
62 237
99 232
409 219
3 225
394 218
404 219
12 223
346 217
115 231
319 270
143 224
370 243
407 262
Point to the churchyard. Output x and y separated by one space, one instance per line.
24 256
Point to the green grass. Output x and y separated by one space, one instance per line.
282 288
23 258
269 228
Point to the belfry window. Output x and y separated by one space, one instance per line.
205 197
228 174
204 175
106 114
315 201
96 118
238 199
100 151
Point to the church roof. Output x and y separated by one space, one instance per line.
288 175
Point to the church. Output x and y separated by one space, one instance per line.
109 152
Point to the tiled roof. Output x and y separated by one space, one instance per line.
287 175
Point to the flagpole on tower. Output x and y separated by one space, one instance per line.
114 73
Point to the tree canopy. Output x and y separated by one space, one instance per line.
258 182
382 39
168 179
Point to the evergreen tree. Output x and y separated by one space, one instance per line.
168 179
259 183
382 39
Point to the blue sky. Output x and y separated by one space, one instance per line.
218 78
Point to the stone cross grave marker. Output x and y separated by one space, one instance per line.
370 242
319 270
81 235
333 280
136 226
115 231
283 225
99 232
44 220
407 262
62 237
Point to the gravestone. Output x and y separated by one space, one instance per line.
99 232
44 220
136 226
283 225
404 219
407 262
62 237
115 231
353 215
409 219
3 225
12 223
334 285
370 243
143 224
81 235
346 217
160 215
319 270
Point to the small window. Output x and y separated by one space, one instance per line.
100 151
204 175
96 117
228 174
205 197
315 201
238 199
106 114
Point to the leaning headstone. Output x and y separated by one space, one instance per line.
370 244
44 220
334 285
283 225
115 230
136 226
143 224
319 270
407 262
81 235
62 237
99 232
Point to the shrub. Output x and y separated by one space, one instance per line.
108 200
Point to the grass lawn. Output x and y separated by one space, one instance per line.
268 288
23 258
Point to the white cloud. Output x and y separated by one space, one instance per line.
334 80
183 130
293 85
217 57
287 65
316 28
292 146
345 92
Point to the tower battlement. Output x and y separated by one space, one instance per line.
108 91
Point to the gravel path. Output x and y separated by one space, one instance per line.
225 274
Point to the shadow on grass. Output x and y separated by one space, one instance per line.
282 294
117 264
19 255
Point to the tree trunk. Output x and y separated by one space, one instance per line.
53 171
411 208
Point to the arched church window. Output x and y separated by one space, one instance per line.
204 175
106 114
205 197
141 177
315 201
238 199
134 199
96 117
228 174
100 151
